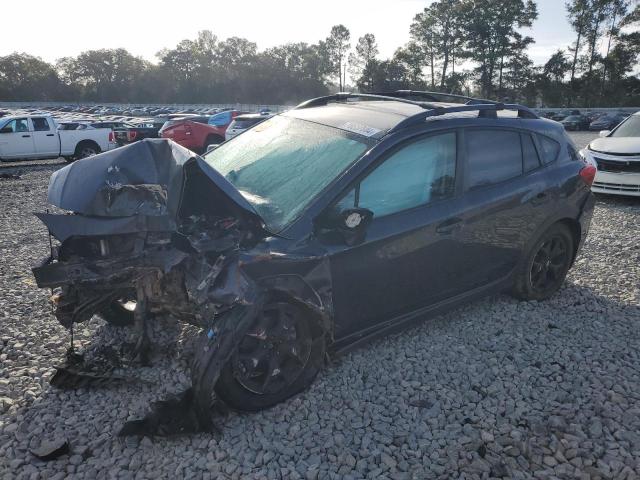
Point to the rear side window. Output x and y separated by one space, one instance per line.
530 160
550 149
493 156
40 124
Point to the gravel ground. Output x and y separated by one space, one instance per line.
499 388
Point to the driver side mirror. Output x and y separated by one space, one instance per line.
605 133
6 130
349 225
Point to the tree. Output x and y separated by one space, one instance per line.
438 30
25 77
366 52
491 35
336 47
579 13
104 73
410 58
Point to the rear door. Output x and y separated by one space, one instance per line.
16 139
506 198
45 138
408 259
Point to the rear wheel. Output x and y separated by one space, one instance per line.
86 149
542 272
279 356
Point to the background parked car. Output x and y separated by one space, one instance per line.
606 122
37 136
576 122
243 122
616 155
133 133
195 133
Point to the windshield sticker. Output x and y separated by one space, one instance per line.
359 129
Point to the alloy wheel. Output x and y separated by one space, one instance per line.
274 352
549 264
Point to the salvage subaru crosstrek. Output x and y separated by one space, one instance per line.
320 228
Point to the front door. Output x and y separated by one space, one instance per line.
408 257
16 140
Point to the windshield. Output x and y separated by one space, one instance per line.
280 165
572 118
630 128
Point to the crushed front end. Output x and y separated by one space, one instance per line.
150 225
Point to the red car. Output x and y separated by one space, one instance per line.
195 133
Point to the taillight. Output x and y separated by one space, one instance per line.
588 174
131 135
112 137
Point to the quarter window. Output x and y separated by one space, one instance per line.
415 175
550 149
493 156
40 124
530 160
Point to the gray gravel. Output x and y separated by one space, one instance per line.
499 388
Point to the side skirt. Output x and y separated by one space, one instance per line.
359 339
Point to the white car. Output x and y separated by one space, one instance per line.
244 122
38 136
616 155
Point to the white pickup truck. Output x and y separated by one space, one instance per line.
38 136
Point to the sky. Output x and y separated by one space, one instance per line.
54 29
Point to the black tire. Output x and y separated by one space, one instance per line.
542 271
117 314
86 149
238 389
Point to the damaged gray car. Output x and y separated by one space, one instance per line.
318 229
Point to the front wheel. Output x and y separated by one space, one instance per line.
279 356
542 272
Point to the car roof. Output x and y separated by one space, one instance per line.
375 118
381 115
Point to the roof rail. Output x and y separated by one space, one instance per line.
433 96
344 96
484 110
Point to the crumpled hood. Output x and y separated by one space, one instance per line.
613 145
143 178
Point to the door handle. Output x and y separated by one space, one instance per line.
50 135
449 226
26 136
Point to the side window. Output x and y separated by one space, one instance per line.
550 149
18 125
40 124
530 160
417 174
493 156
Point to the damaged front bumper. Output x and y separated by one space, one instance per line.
150 223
